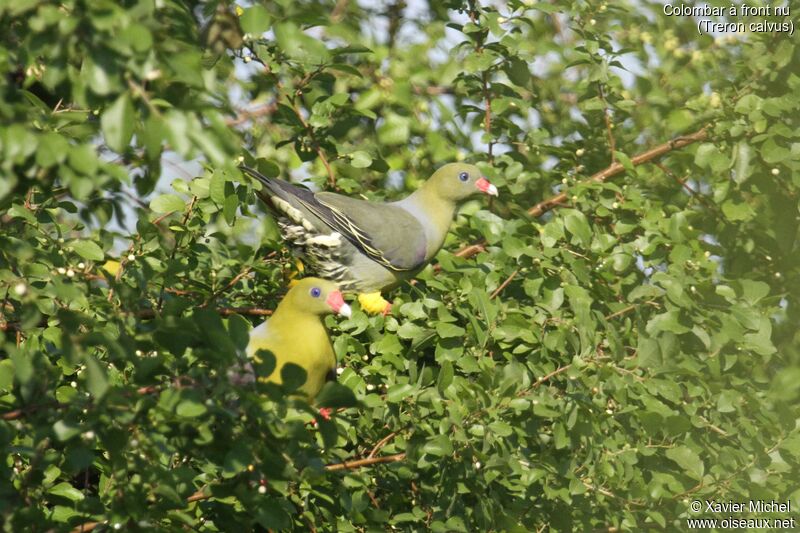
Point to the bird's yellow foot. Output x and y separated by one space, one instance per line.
293 275
373 303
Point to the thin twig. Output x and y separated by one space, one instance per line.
621 312
19 413
612 143
487 117
381 443
349 465
202 494
503 285
682 182
244 115
245 271
224 311
339 10
314 143
87 526
630 308
175 249
548 377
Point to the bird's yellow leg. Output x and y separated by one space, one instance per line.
293 275
373 303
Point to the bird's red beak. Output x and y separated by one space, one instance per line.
483 185
336 301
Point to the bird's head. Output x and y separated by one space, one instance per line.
318 296
458 181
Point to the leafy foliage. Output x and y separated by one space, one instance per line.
589 362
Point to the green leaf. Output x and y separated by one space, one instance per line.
439 446
394 130
773 153
191 408
575 222
6 374
737 211
625 161
445 330
88 250
753 291
360 159
517 71
117 123
297 45
270 515
255 20
293 376
336 396
83 159
398 393
167 203
96 378
65 490
229 208
216 188
688 460
65 430
51 150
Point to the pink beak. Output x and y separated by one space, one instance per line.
336 301
483 185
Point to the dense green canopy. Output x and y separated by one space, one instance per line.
612 338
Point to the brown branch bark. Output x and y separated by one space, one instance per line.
630 308
148 314
347 465
381 443
617 168
224 311
88 526
612 170
369 461
19 413
244 115
503 285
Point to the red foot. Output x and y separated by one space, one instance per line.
325 412
387 310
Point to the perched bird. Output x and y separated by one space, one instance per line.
369 246
295 333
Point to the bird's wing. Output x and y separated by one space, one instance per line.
387 234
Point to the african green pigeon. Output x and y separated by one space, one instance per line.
368 246
296 334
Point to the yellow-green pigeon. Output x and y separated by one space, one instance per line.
369 246
295 333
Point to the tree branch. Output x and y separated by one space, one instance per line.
369 461
314 143
612 170
617 168
612 143
503 285
381 443
244 115
347 465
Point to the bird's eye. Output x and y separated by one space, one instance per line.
315 292
463 176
